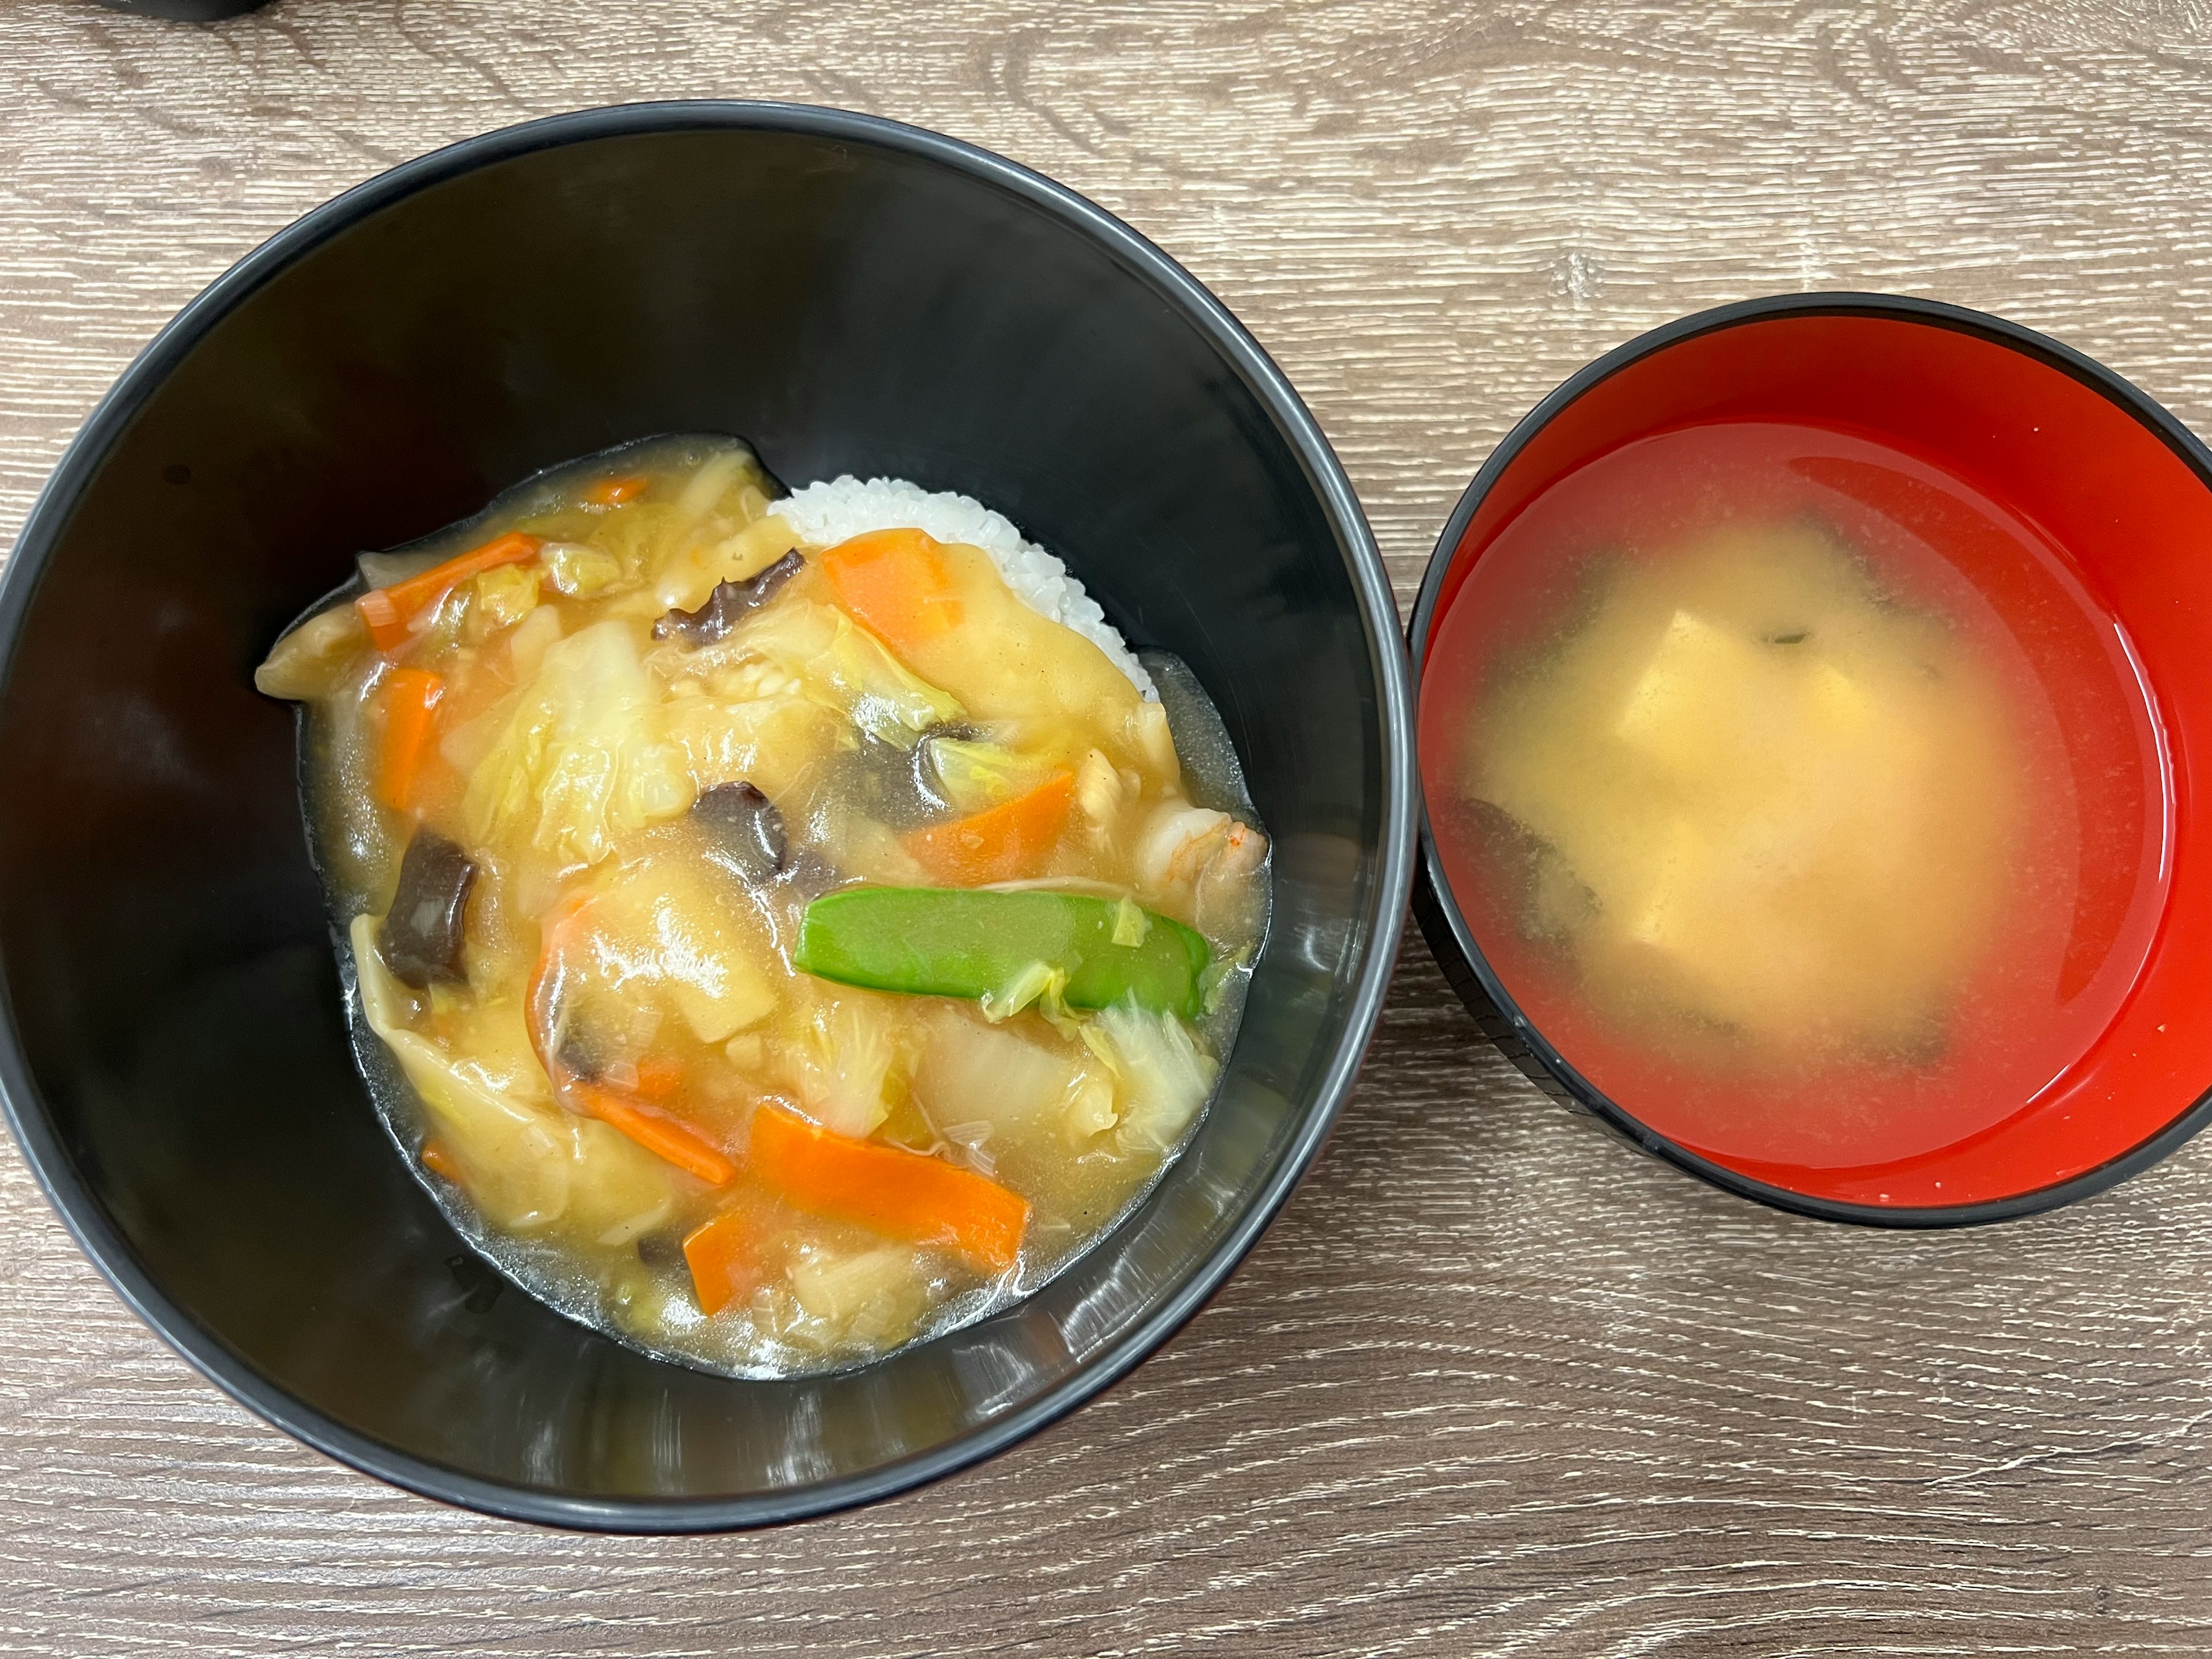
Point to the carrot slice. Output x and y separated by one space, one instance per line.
1004 842
439 1162
903 1195
896 582
417 591
552 934
723 1258
410 710
387 629
664 1137
613 492
657 1079
389 611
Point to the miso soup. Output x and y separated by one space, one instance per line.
1794 789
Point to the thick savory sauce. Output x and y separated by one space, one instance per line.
771 950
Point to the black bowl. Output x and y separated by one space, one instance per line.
850 295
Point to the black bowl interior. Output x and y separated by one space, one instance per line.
850 296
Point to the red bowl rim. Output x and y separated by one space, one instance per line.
1437 909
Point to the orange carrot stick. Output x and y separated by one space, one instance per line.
613 492
887 1189
723 1261
387 629
541 994
552 934
664 1137
896 582
389 611
417 591
439 1162
1004 842
410 711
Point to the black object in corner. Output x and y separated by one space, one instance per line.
184 11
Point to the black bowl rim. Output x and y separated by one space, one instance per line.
1935 313
81 1213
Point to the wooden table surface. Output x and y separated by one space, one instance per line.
1493 1383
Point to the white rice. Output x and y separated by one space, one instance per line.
827 513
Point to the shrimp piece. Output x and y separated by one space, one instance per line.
1195 863
1175 844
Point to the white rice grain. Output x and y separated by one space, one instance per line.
827 513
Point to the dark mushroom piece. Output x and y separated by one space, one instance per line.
424 932
728 604
746 828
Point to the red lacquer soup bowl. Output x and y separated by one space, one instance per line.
2056 524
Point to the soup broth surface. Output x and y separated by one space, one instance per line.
1799 793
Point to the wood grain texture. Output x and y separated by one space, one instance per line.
1493 1383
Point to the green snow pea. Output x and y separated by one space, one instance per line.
987 945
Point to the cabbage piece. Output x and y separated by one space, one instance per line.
706 487
772 743
1034 984
499 599
584 756
1162 1077
657 928
533 636
524 1162
579 569
838 1056
715 530
873 1298
689 579
973 776
864 847
848 669
970 1072
309 662
1091 1109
